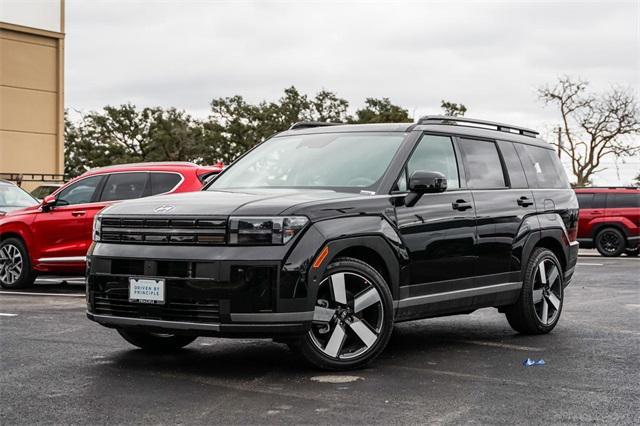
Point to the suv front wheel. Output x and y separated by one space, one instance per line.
353 317
538 308
15 265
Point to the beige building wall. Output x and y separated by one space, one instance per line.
31 100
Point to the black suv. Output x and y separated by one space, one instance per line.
325 235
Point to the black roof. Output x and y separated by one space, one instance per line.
436 124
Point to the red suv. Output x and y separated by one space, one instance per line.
54 236
609 220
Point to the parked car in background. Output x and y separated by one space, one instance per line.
324 236
54 236
13 198
45 189
610 220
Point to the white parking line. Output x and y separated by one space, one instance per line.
589 264
8 315
26 293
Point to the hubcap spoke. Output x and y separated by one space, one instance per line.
543 273
366 299
553 276
553 299
335 341
338 288
365 334
545 311
321 314
537 296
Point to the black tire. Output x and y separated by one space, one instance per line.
155 342
350 317
12 249
525 316
610 242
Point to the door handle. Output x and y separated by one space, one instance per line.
461 205
524 202
78 213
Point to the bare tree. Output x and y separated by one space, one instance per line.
593 125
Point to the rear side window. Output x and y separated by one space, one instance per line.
163 182
542 167
515 171
585 201
434 154
619 201
482 164
124 186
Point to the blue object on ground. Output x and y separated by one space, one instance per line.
529 362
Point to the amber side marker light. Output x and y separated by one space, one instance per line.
321 257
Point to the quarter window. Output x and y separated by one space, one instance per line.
433 154
482 164
163 182
80 192
124 186
542 167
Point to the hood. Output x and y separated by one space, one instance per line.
15 211
222 203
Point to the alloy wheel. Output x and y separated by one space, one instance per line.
547 291
348 316
610 242
11 264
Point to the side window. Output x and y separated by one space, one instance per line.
517 178
542 166
482 164
124 186
433 154
585 201
599 201
621 201
80 192
163 182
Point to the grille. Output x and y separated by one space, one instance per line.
118 304
186 231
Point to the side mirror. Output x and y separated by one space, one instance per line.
422 182
48 203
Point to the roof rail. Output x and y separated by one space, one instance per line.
501 127
309 124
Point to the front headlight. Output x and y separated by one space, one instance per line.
251 231
97 224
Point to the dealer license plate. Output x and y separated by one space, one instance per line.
145 290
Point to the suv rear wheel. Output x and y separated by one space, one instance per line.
538 309
15 265
155 342
610 242
353 317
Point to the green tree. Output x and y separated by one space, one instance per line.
452 109
381 111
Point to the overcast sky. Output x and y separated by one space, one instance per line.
489 55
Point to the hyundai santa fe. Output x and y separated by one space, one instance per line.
324 236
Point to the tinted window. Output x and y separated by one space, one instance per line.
434 154
482 164
542 166
517 178
124 186
599 201
80 192
618 201
585 201
163 182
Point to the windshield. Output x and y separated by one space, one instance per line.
12 196
340 161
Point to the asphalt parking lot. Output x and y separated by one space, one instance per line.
59 368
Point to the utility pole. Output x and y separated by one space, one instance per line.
559 142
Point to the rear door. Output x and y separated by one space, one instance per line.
502 199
